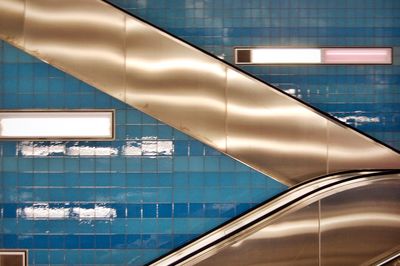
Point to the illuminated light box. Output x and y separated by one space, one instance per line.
49 125
324 56
356 55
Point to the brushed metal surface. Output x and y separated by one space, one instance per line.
353 222
269 209
175 83
264 130
188 89
289 241
345 145
361 223
12 21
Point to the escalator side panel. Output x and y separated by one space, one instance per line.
171 81
292 240
261 121
347 222
360 224
347 149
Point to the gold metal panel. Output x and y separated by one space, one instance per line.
84 38
345 220
269 209
292 240
360 224
175 83
12 20
349 149
274 133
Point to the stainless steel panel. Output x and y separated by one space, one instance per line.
84 38
175 83
349 149
188 89
274 133
12 21
292 240
270 210
360 224
352 222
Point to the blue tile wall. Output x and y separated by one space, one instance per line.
109 202
366 97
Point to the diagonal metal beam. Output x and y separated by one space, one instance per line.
189 89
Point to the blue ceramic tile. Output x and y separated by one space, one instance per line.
41 241
196 148
41 257
164 210
196 210
149 210
165 179
25 241
103 242
181 210
134 241
149 241
56 242
87 241
8 148
71 241
56 257
87 257
9 210
165 241
134 210
211 210
118 241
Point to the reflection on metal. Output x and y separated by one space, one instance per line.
330 221
188 89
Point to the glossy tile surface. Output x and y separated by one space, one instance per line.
109 202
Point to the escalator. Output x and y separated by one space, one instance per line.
190 90
348 218
344 219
